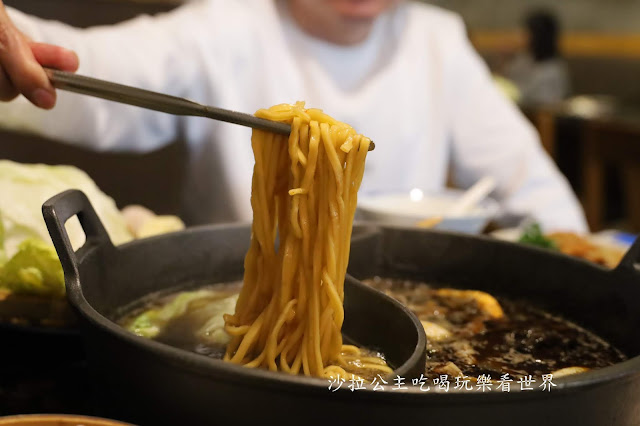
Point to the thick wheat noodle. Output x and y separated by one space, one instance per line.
289 313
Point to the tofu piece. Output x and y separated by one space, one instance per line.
568 371
435 332
450 369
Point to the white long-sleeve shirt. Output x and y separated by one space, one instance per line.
415 86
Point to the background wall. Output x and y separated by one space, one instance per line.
86 13
600 40
605 16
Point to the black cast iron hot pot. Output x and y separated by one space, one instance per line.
149 383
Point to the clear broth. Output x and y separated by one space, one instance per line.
181 331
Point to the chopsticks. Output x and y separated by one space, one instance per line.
159 102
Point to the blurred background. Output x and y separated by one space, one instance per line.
572 66
592 128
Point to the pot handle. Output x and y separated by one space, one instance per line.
57 211
631 260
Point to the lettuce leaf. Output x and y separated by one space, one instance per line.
34 269
28 261
208 305
3 254
150 323
25 187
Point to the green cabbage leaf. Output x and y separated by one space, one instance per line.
34 270
206 307
28 261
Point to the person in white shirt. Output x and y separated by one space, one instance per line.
403 73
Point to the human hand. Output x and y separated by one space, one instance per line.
21 62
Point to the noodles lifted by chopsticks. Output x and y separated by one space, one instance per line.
289 313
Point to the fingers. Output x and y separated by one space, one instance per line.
21 70
56 57
7 90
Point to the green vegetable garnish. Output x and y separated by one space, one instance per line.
533 235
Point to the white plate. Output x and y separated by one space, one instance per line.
408 209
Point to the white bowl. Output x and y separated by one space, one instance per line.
404 209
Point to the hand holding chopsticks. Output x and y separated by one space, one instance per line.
159 102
